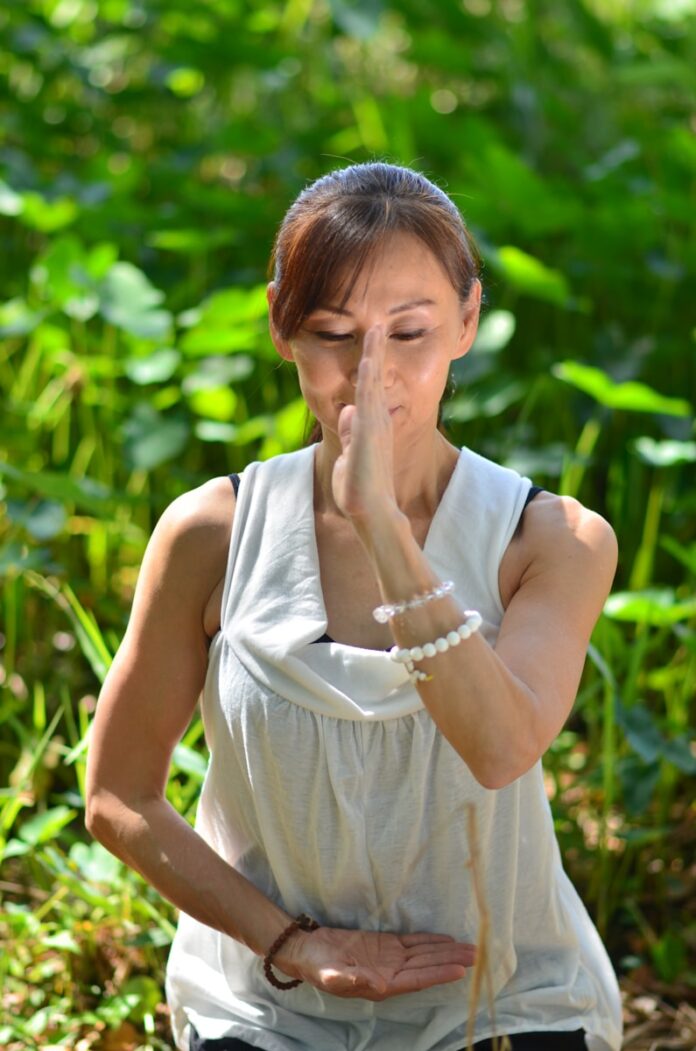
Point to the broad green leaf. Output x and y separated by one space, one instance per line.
226 322
185 81
43 827
680 753
47 216
189 762
11 203
213 431
46 521
157 367
494 332
215 403
630 396
85 492
218 371
18 319
129 301
487 402
532 277
665 453
656 606
150 439
290 425
62 940
17 558
641 731
638 782
96 863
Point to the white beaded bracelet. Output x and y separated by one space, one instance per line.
406 655
391 609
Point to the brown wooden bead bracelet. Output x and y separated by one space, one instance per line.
302 923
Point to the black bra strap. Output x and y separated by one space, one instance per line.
234 478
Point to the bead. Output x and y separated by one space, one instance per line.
464 631
416 653
453 638
384 613
429 649
440 645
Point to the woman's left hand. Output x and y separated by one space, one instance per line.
363 475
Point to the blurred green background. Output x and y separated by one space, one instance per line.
148 150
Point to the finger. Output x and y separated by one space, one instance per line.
374 349
345 425
433 956
422 938
375 342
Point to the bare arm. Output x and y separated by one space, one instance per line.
144 708
500 707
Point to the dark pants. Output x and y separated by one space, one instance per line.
520 1042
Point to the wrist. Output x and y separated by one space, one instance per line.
285 953
379 528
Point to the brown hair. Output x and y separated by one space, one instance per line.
338 221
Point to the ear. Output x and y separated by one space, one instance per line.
280 344
470 319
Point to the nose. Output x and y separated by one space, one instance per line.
388 364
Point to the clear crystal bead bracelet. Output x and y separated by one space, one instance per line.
392 609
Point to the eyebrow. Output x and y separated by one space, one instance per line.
394 310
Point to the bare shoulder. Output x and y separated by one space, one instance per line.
560 537
189 546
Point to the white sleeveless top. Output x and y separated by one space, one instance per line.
331 789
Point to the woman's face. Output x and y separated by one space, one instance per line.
405 289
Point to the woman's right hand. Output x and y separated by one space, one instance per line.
373 965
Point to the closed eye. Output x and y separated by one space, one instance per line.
333 337
405 336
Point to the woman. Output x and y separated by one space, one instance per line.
383 650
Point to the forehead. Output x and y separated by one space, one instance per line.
402 266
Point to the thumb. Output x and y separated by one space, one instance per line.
345 425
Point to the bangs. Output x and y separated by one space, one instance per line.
332 230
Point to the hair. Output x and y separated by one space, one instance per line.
339 221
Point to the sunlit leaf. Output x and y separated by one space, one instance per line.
665 453
213 431
630 396
151 439
11 203
47 216
532 277
18 319
96 863
190 762
488 401
129 301
657 606
215 403
157 367
495 331
43 827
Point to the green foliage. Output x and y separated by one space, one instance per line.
148 151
